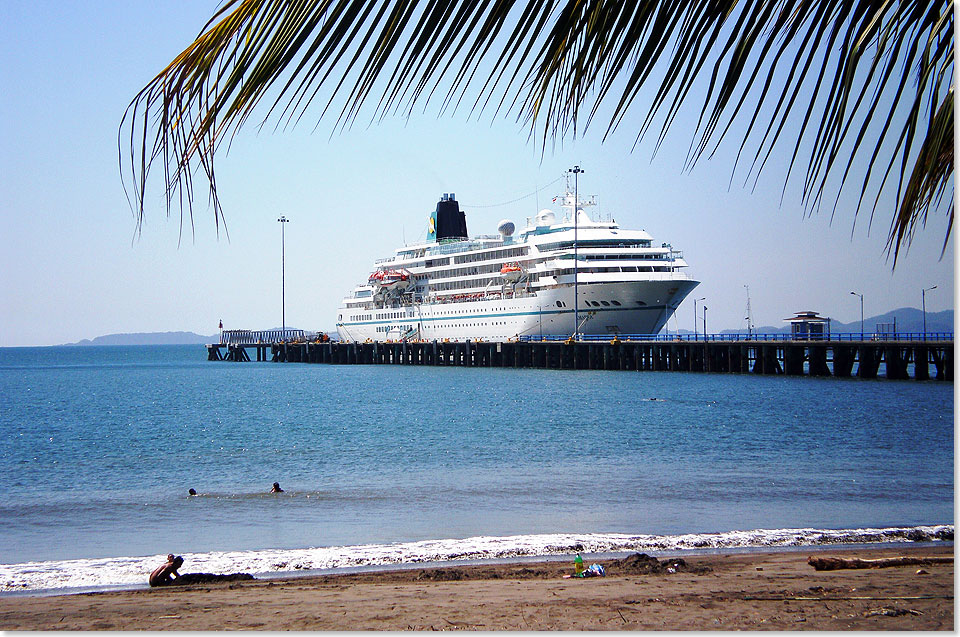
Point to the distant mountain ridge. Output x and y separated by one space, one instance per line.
150 338
153 338
908 320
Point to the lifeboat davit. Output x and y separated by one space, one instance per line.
511 272
391 279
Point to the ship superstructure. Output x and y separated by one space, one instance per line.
505 286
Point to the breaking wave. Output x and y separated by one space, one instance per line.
131 572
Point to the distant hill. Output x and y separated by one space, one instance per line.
908 319
151 338
156 338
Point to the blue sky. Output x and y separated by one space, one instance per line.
72 267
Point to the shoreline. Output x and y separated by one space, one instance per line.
121 573
517 560
772 589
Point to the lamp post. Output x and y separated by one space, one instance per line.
695 316
576 170
283 284
923 302
704 323
861 312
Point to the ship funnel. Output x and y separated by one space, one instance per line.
449 220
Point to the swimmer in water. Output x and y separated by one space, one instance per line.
276 488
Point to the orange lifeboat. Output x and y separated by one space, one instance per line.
390 279
511 271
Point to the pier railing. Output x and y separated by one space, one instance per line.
736 338
252 337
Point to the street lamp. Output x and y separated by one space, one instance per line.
861 312
923 301
576 170
704 323
695 316
283 267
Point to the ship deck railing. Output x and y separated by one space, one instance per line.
480 296
771 336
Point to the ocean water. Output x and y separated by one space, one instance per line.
394 464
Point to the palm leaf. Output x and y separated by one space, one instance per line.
880 74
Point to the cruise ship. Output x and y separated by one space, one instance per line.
512 286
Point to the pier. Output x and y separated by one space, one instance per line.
920 357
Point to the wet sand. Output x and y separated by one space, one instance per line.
768 591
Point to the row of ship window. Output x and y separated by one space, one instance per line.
384 329
369 317
509 253
594 303
595 243
474 283
610 269
490 268
400 315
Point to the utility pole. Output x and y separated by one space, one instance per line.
576 170
923 301
283 276
861 312
696 316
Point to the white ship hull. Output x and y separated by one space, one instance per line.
644 308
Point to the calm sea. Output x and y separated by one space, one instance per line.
99 445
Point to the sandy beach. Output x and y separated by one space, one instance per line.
768 591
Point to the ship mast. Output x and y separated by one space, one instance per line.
576 170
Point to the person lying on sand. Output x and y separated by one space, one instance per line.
165 573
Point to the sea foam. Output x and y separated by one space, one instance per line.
68 575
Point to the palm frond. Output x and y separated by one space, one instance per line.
855 86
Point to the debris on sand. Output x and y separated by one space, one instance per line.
641 563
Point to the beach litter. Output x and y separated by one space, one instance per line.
892 612
594 570
641 563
